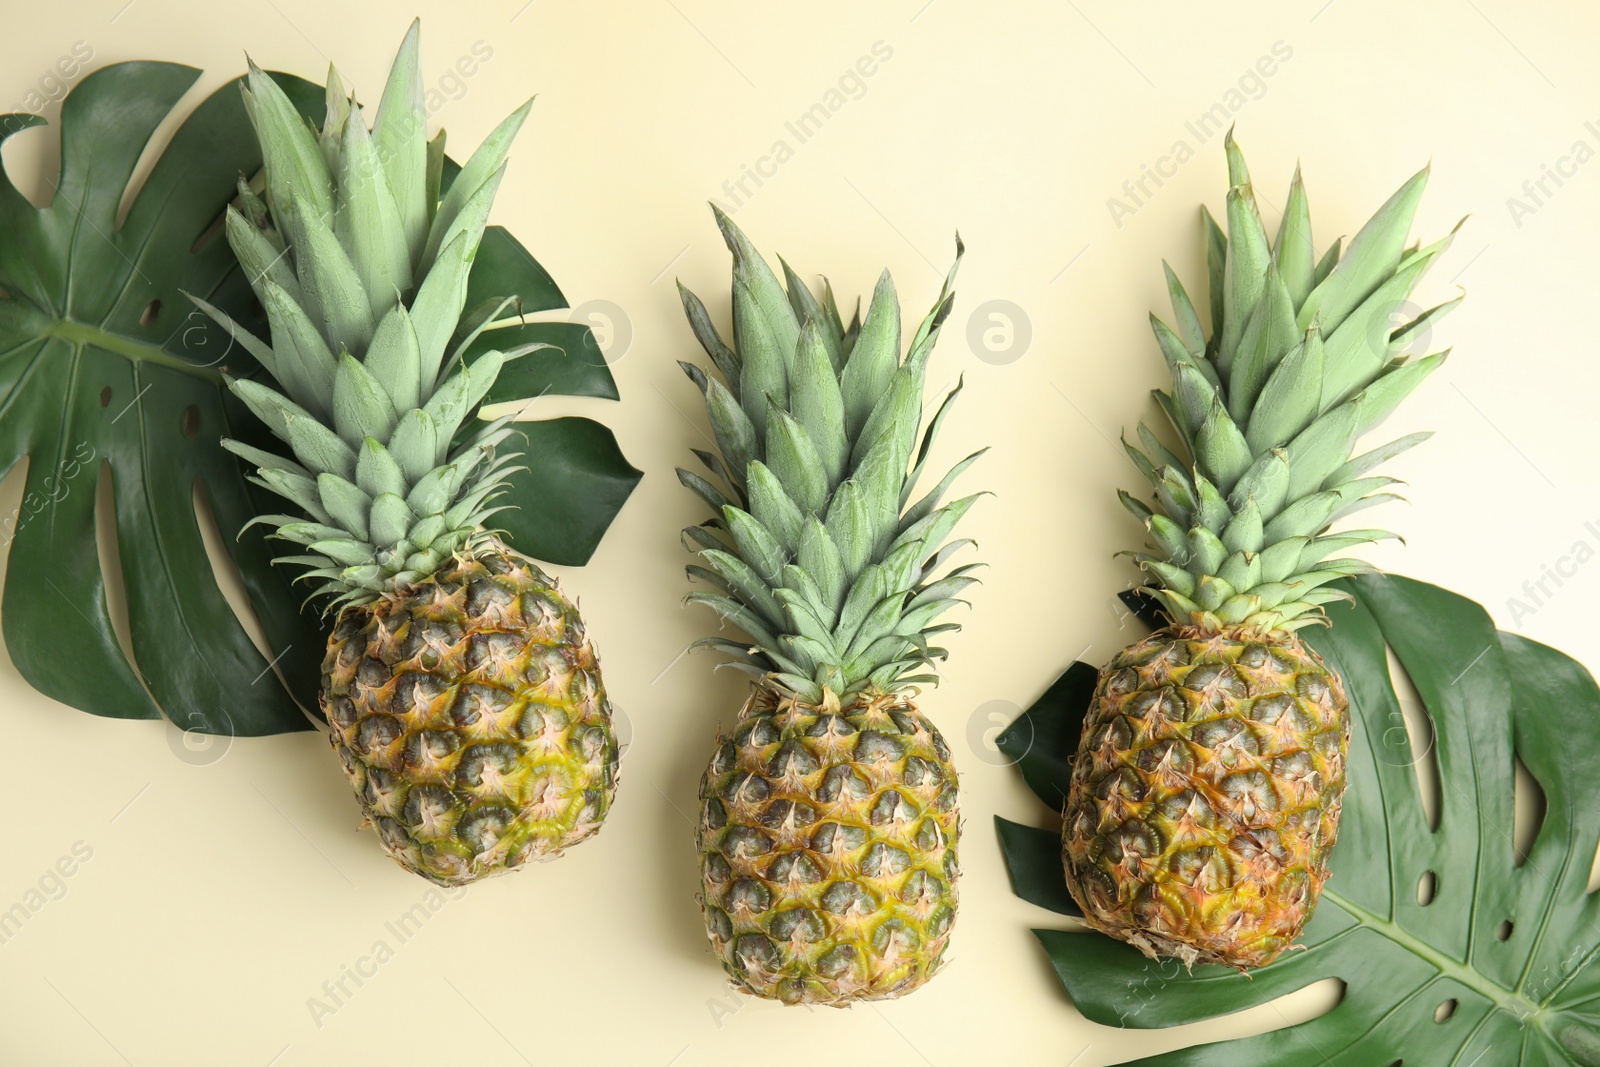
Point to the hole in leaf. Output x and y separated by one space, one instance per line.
32 160
231 582
151 154
152 311
1410 741
105 397
12 489
1427 888
1531 808
191 422
257 309
1504 933
1444 1010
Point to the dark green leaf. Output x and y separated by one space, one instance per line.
1033 859
576 482
572 366
106 362
1044 739
504 268
1511 942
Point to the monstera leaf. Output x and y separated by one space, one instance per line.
1452 950
105 372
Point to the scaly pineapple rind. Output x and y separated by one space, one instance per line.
470 716
829 818
827 841
1206 794
462 694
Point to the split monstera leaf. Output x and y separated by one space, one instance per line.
1452 948
105 367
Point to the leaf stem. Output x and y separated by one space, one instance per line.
1512 1002
136 351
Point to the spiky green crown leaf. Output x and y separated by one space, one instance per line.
363 269
1304 357
818 552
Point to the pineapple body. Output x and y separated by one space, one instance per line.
469 713
829 817
462 694
1205 798
828 849
1206 794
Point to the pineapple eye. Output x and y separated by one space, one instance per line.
893 807
743 842
483 828
875 747
788 815
792 759
842 781
755 952
744 788
747 895
795 868
884 861
845 897
835 839
798 924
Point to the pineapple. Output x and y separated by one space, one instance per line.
1206 792
829 816
462 693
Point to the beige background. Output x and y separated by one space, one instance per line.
227 883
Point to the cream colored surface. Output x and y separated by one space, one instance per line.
227 885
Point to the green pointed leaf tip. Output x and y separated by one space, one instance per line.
819 425
390 244
1512 939
355 208
1301 358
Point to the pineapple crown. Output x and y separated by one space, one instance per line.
362 269
818 552
1304 356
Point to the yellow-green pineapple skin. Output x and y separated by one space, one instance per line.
463 696
469 713
827 842
1206 793
1207 788
829 817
